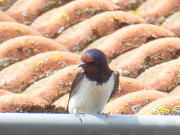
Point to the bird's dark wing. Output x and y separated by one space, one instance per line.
78 78
116 85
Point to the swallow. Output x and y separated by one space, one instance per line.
95 84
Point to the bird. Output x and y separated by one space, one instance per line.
94 85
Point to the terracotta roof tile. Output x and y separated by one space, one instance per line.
23 12
5 92
13 103
155 52
128 4
173 23
10 30
20 75
5 18
79 36
62 101
23 47
154 11
163 106
54 86
130 37
133 102
5 4
37 72
162 77
175 91
69 14
128 85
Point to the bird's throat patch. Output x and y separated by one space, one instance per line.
91 69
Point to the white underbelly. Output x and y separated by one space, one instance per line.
90 97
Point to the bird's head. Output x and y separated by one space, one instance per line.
93 61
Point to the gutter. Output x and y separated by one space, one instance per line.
69 124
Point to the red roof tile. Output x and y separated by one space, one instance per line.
13 103
128 4
153 10
23 47
79 36
130 37
69 14
10 30
20 75
54 86
5 18
162 77
23 12
163 106
173 23
41 70
133 102
148 55
5 4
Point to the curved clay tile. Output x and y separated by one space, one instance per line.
5 4
62 101
15 102
55 21
5 18
132 102
10 30
128 4
162 77
96 43
152 10
164 106
128 85
5 92
130 37
173 23
25 11
175 91
147 55
20 75
79 36
54 86
23 47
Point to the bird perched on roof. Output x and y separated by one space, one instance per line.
94 84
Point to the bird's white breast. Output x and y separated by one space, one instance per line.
91 97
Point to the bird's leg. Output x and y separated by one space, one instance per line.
106 114
77 114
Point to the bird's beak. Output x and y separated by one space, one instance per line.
82 64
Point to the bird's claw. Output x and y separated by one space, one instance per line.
78 115
106 114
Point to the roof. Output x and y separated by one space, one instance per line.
42 42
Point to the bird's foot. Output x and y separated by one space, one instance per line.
78 115
106 114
